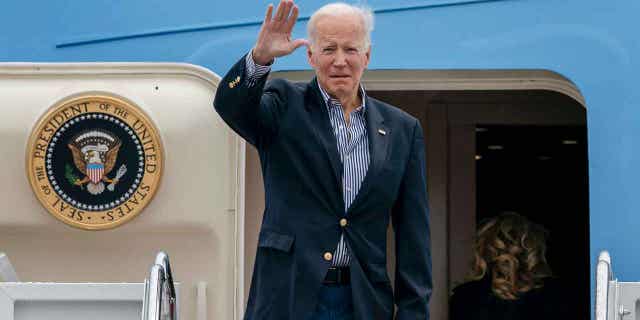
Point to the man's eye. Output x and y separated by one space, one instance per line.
328 50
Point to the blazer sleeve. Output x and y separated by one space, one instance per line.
410 218
252 111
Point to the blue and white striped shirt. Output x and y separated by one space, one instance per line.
352 141
353 147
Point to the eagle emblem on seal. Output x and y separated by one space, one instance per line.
95 153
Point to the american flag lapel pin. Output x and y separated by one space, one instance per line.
382 132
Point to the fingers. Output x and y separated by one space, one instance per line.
266 22
280 14
292 19
267 17
284 18
274 38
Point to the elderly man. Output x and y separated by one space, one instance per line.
337 166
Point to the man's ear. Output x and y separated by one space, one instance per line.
368 56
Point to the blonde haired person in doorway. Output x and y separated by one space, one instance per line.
510 278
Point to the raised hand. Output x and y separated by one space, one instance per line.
274 39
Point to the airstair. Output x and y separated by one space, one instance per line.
615 300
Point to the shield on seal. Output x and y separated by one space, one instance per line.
95 171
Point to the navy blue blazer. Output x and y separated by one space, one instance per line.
289 125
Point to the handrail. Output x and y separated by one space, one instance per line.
7 272
159 295
603 275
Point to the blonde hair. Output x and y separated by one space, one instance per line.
512 250
341 8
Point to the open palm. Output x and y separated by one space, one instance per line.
274 39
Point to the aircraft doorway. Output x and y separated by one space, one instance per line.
495 151
459 111
541 173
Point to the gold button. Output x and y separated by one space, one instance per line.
343 222
328 256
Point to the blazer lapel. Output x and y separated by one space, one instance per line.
378 135
316 106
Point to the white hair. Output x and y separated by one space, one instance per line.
338 9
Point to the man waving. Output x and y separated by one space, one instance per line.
338 167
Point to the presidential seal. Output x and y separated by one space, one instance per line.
94 162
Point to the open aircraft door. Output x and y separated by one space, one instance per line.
105 164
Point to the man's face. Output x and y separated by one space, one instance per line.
338 54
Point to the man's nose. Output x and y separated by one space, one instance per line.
340 58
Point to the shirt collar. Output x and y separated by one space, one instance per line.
332 102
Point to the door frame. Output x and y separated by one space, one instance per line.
401 80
